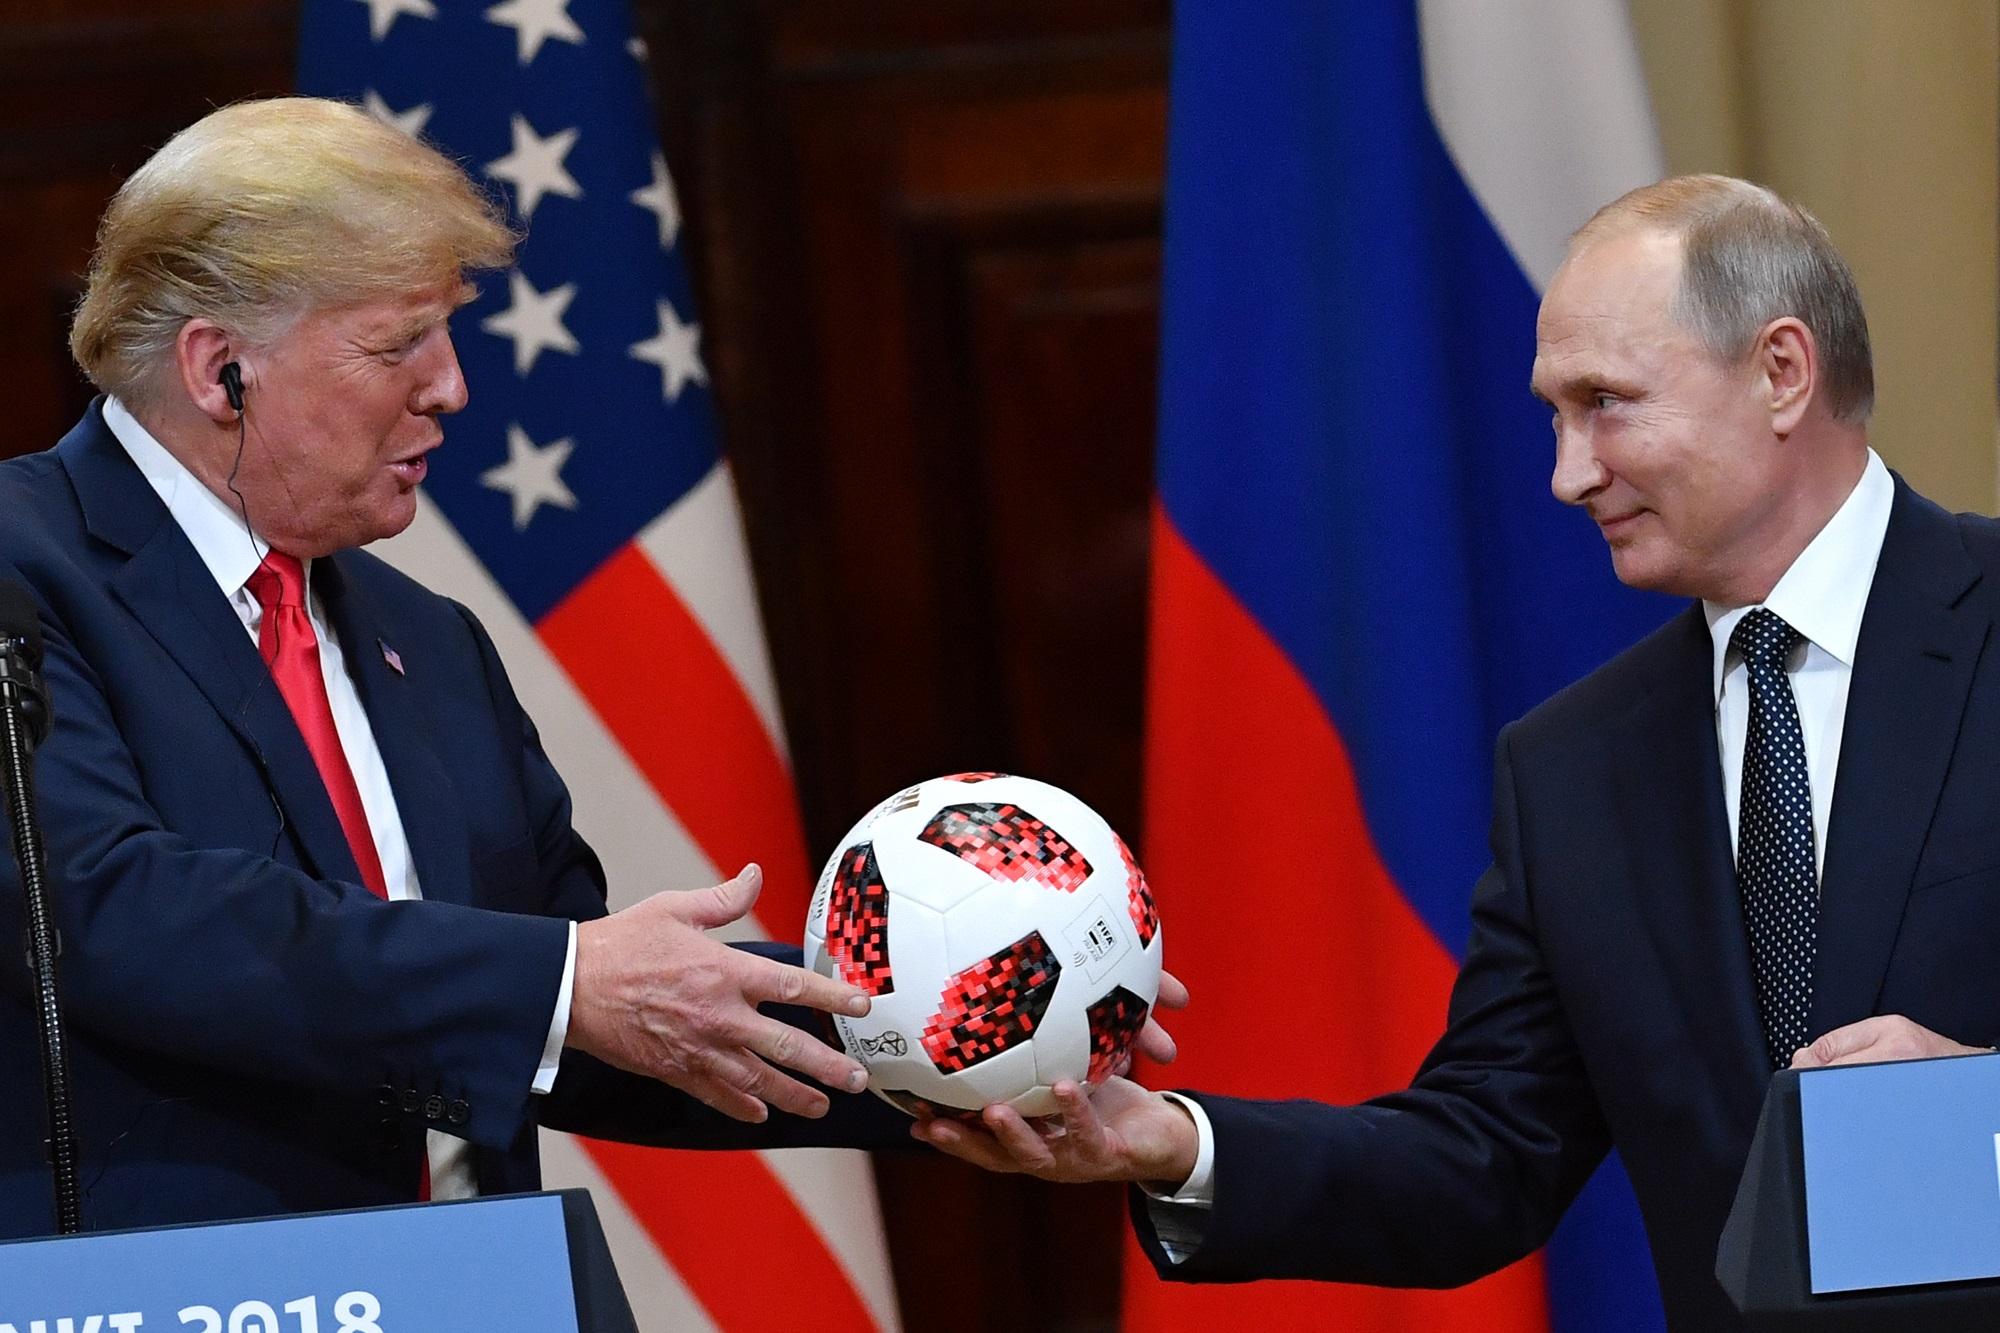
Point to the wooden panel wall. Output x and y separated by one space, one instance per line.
927 237
88 88
930 236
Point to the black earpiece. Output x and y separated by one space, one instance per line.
232 385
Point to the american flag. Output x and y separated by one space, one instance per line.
583 510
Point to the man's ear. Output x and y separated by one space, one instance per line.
201 350
1788 363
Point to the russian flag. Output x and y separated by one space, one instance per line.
1359 573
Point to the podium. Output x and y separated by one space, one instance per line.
1871 1201
522 1261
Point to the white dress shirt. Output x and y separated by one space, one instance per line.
226 546
1822 596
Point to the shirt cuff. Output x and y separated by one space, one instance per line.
1198 1190
1180 1219
552 1049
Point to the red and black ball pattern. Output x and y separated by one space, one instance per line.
857 922
1138 897
1115 1021
1009 844
993 1006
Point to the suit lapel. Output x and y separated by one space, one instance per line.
426 797
1919 646
168 590
1667 794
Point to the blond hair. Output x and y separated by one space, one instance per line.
262 211
1749 257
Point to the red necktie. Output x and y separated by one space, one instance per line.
291 650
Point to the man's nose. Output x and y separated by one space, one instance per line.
443 390
1578 473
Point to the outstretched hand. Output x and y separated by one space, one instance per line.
655 995
1119 1131
1114 1131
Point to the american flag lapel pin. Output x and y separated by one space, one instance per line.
391 656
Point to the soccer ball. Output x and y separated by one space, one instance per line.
1006 935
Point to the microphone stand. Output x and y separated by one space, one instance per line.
24 720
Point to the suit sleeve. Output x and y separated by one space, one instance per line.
225 957
1460 1175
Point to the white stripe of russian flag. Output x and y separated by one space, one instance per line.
1542 105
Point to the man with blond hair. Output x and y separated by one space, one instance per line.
1766 835
329 938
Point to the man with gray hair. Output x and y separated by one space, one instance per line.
1766 835
330 940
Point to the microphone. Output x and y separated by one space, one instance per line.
24 724
21 660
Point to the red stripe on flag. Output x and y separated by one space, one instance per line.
1274 900
736 1238
730 1228
650 671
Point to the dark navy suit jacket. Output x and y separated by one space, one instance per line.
252 1031
1606 997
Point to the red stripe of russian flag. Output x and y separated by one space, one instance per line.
1311 975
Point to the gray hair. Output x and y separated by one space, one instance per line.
1749 257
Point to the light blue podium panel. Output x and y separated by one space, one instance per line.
1902 1172
471 1267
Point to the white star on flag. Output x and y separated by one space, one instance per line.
382 13
534 321
535 167
410 122
535 21
676 350
532 475
658 198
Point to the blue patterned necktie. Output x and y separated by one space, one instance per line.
1775 867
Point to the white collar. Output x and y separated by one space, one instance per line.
1825 591
217 532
